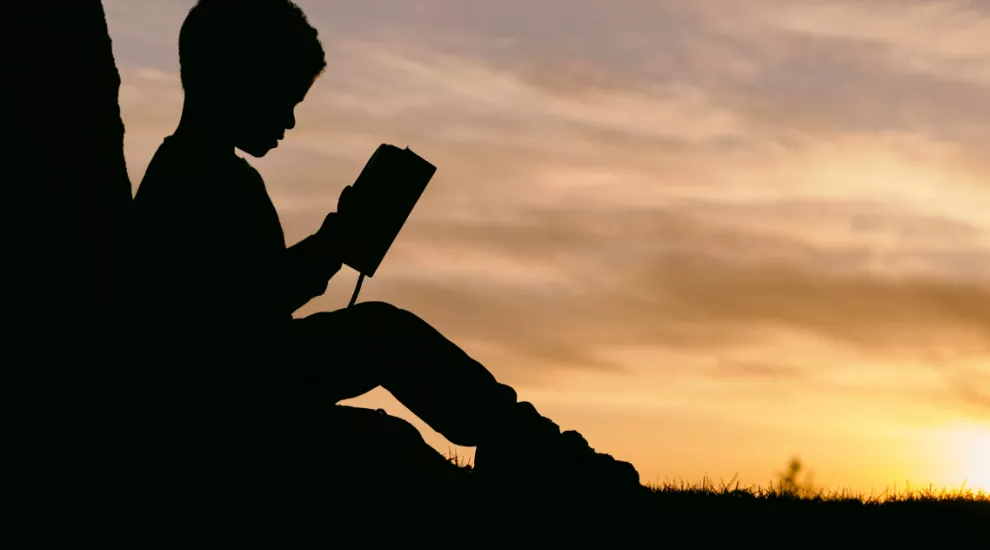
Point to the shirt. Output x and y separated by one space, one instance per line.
212 262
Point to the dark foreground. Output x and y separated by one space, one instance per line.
664 517
838 513
138 474
288 508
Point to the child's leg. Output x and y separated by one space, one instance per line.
375 344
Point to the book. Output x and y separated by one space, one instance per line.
379 203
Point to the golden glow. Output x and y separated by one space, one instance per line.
969 452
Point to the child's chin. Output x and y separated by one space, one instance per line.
257 152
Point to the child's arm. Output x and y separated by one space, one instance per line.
313 261
299 275
310 264
281 285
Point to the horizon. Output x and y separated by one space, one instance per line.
710 238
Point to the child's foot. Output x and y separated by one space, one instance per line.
533 454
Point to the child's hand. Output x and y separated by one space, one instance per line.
330 231
346 198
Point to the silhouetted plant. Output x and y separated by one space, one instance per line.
790 483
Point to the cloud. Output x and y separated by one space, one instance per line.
949 39
654 268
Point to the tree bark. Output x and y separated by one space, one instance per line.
72 237
64 253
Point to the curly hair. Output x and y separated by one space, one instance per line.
224 39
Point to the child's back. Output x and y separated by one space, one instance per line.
207 240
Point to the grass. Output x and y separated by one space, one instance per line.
784 493
786 505
783 490
787 488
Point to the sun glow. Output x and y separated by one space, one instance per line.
968 450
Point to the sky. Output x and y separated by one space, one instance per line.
708 235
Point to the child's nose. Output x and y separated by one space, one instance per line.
290 122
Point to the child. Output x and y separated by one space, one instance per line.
219 286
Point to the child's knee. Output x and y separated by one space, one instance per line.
373 309
382 315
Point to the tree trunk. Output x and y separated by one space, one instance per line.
65 243
70 243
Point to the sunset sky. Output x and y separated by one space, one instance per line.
708 235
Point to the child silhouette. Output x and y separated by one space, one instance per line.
218 286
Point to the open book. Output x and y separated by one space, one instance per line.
379 203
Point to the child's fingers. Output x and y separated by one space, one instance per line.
345 198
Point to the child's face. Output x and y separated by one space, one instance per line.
262 113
